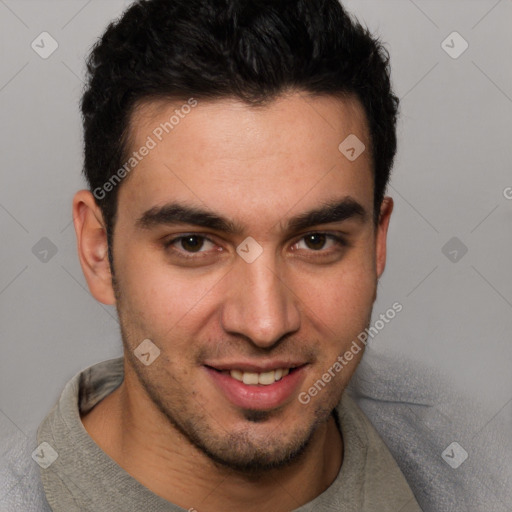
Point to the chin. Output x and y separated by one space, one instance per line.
243 455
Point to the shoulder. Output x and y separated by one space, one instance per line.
451 453
383 486
21 488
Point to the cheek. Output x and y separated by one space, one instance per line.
341 317
159 298
340 298
339 311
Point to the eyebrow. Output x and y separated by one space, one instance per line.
176 213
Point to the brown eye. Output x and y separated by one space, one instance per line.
315 241
321 243
192 243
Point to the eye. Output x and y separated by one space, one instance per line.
319 242
190 244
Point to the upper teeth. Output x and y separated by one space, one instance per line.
264 378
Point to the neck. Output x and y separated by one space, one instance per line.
132 431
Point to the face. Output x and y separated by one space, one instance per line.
244 249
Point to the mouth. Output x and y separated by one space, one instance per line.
247 388
250 378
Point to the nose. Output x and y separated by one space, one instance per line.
259 305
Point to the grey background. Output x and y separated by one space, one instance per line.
451 176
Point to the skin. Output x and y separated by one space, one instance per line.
167 424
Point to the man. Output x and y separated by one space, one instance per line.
237 155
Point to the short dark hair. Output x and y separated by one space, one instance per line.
252 50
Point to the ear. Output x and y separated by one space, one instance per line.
382 232
92 245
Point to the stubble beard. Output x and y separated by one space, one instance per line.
239 451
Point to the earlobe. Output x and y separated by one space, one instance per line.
92 246
382 231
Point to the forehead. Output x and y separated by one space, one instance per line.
235 158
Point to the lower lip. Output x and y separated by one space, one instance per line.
258 397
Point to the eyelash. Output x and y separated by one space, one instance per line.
340 242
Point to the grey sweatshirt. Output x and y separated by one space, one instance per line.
78 476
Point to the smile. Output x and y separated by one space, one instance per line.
262 390
263 378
